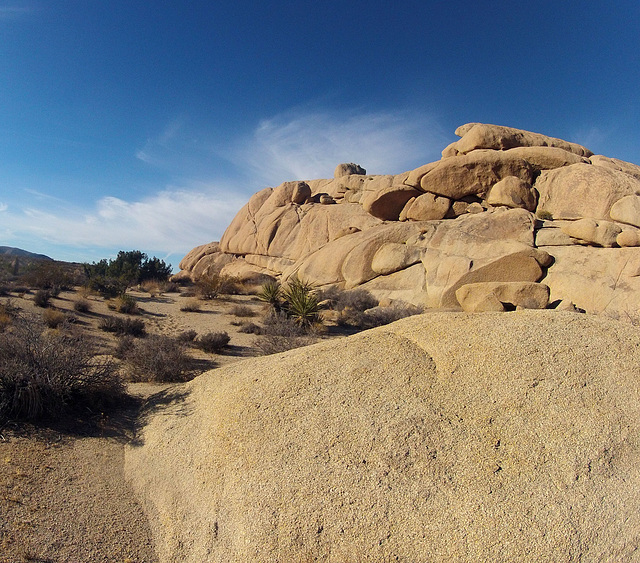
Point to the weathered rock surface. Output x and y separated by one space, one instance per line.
444 437
479 214
502 296
483 136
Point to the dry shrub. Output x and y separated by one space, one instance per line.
212 285
243 311
250 328
44 373
152 287
353 299
212 342
187 336
53 318
157 358
378 316
191 306
42 297
281 333
121 327
127 305
82 306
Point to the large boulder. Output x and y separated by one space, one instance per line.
443 437
347 169
627 210
513 192
387 203
474 173
484 136
502 296
583 190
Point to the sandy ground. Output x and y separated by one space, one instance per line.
63 494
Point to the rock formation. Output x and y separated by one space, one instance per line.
502 205
443 437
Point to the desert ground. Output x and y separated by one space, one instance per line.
63 494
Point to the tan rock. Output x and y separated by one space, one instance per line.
387 203
513 192
443 437
582 190
501 296
301 192
415 176
601 233
211 264
474 173
598 280
628 237
627 210
404 285
547 158
326 199
450 150
553 237
484 136
191 259
348 169
428 207
392 257
405 209
616 164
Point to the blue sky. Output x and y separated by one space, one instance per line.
147 124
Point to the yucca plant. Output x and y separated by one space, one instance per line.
270 293
301 302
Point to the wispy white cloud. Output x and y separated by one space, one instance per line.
3 207
174 220
159 150
299 145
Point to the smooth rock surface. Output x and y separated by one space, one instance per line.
443 437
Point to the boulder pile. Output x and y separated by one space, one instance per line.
501 205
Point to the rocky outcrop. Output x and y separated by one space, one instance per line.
443 437
500 206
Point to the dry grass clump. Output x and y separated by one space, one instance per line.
82 305
53 318
250 328
127 305
191 306
42 297
121 327
156 358
281 333
242 311
212 342
45 373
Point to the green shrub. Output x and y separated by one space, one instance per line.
300 302
271 293
212 342
48 373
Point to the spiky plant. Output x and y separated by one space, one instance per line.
271 293
301 302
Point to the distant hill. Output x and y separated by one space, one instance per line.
11 251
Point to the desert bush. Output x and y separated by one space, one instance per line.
82 306
41 297
191 306
47 373
124 345
120 326
107 286
250 328
274 344
127 305
53 318
212 342
243 311
280 324
157 358
171 287
8 312
209 287
377 316
187 336
50 275
354 299
128 268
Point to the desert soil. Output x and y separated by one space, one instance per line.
63 494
